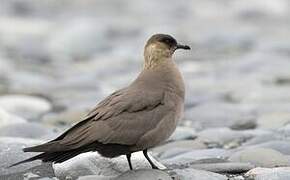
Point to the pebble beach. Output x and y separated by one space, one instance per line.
58 59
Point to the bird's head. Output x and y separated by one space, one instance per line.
160 47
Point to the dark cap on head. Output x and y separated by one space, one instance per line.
167 40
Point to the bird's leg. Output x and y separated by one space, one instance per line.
129 161
149 160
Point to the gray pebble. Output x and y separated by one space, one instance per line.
262 157
226 167
193 174
221 115
197 155
29 107
27 130
281 173
92 163
146 174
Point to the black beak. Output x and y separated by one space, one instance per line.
179 46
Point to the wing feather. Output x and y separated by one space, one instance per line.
121 118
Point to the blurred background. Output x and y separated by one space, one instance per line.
59 58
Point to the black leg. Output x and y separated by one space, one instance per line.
129 161
149 160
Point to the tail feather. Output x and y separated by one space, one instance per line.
106 150
47 147
40 156
56 157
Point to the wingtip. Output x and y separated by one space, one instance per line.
16 164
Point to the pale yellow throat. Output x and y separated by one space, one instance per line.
155 54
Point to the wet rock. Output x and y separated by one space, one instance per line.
29 107
93 164
260 157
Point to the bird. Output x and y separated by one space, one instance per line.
135 118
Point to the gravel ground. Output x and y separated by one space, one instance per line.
59 58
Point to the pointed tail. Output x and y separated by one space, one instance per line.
40 156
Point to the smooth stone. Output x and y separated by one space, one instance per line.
23 37
34 82
96 177
27 130
246 124
280 173
195 97
266 94
258 9
7 118
223 136
196 155
144 174
92 163
275 107
182 133
226 167
29 107
76 39
274 120
281 146
233 177
48 178
173 148
5 65
221 115
11 152
260 157
43 171
263 138
284 131
64 118
193 174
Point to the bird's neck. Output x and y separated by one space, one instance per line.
164 74
155 57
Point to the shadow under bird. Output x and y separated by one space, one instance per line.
135 118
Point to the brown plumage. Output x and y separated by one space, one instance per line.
135 118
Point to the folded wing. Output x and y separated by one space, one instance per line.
121 118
